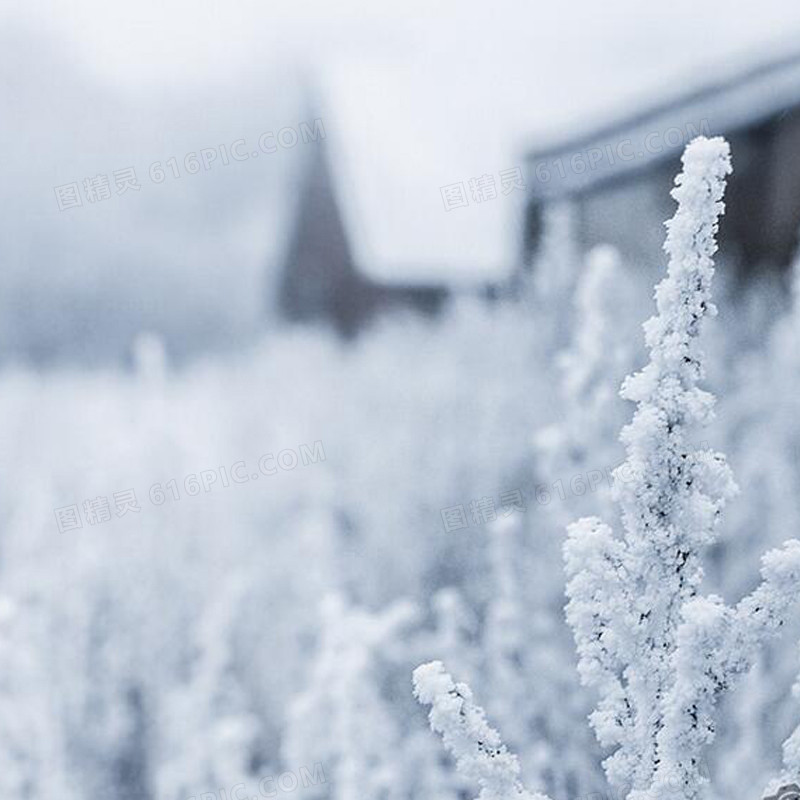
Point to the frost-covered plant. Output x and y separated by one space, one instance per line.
554 272
542 720
517 643
211 730
715 645
660 654
32 746
573 460
480 754
791 757
590 371
760 427
455 631
506 635
342 719
764 438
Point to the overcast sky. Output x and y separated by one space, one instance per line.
197 42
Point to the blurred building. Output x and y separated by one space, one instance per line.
394 213
320 280
394 208
617 176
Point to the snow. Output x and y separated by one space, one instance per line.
191 647
721 97
661 654
397 139
480 753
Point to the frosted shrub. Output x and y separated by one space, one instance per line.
554 272
342 719
760 426
211 730
480 754
791 755
763 439
578 450
660 654
32 746
791 752
506 635
455 631
590 369
542 720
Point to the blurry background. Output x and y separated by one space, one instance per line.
426 96
320 243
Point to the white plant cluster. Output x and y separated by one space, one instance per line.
544 721
341 719
590 370
31 747
221 733
480 754
554 275
507 636
761 436
791 752
108 690
660 654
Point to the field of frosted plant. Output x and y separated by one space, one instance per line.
311 522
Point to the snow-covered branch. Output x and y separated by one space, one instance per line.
479 752
342 718
660 654
669 508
